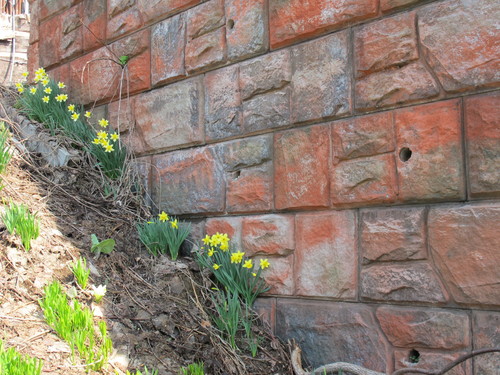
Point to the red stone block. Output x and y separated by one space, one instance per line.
425 328
121 115
364 181
250 189
229 225
460 42
279 275
152 10
47 8
34 22
122 21
50 45
430 164
94 19
326 255
387 5
167 49
363 136
408 84
464 242
33 60
482 120
205 18
384 44
268 235
430 361
294 20
246 28
266 310
486 334
301 160
72 32
206 51
60 74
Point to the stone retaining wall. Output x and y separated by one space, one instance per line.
354 143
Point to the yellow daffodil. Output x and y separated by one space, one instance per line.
163 216
237 257
40 71
96 141
25 74
174 224
45 99
254 274
102 135
115 136
75 116
104 142
264 263
109 148
61 85
211 252
33 90
88 114
206 240
45 81
18 85
248 264
61 98
103 122
20 89
47 90
216 266
71 108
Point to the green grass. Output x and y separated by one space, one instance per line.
75 324
14 363
81 272
18 219
146 372
5 154
193 369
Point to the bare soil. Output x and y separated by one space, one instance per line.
157 311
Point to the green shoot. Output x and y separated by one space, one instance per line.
18 219
228 317
193 369
104 246
14 363
5 154
81 272
146 372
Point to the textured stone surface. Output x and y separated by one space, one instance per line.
229 225
121 114
222 103
316 325
272 71
188 181
482 118
266 310
429 328
464 241
384 44
268 235
250 189
72 32
388 88
246 153
35 22
301 160
393 234
157 9
205 18
486 334
294 20
460 42
206 51
167 49
432 133
321 78
266 111
326 255
50 45
279 275
122 18
363 136
246 30
33 59
430 361
170 116
412 282
94 17
49 7
364 181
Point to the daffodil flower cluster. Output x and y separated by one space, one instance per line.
231 268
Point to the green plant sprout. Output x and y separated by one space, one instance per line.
5 154
196 368
81 272
14 363
18 219
146 372
75 324
105 246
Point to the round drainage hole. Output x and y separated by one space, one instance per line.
405 154
230 24
414 356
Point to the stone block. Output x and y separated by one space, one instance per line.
301 158
222 103
294 20
430 361
124 18
206 51
412 282
384 44
428 143
33 59
464 242
246 28
246 153
205 18
152 10
34 22
315 325
326 255
364 181
269 72
408 84
229 225
72 32
268 235
188 182
266 310
167 49
482 120
171 115
121 114
143 167
321 78
425 328
363 136
250 189
94 18
279 275
388 5
393 234
486 334
49 45
459 41
49 7
267 111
